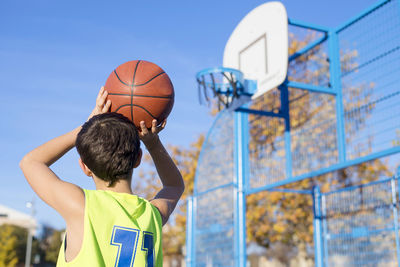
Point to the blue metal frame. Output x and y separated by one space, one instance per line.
307 25
241 183
308 47
311 87
214 189
350 188
195 193
260 112
324 231
317 227
361 15
288 143
241 159
287 190
332 168
395 218
189 232
365 232
336 84
194 209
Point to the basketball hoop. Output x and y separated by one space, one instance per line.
225 84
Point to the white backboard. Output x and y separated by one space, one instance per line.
259 47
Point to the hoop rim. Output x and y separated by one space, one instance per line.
238 74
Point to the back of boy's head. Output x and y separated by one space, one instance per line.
109 145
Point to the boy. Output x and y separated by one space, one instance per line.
108 226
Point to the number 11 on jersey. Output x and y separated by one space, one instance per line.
126 239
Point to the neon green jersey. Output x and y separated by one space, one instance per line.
120 230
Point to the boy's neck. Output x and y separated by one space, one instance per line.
121 186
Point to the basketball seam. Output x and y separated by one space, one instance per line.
150 79
116 74
134 105
155 76
154 96
133 84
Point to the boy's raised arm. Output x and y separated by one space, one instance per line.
64 197
170 176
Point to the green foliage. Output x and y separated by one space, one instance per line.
13 241
8 246
13 244
148 184
50 243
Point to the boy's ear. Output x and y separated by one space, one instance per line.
85 168
139 159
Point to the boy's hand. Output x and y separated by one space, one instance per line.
101 105
150 138
172 182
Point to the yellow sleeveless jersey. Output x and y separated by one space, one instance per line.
120 230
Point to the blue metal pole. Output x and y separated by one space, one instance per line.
311 87
336 84
325 234
308 47
361 15
194 229
317 227
260 112
348 163
288 144
307 25
288 190
189 231
395 217
251 87
241 154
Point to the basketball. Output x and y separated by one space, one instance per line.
141 91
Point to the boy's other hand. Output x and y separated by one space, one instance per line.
102 106
150 138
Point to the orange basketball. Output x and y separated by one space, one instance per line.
141 91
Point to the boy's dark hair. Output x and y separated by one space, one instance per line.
109 146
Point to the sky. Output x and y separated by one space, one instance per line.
55 56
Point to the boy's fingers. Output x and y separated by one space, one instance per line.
107 106
154 126
104 95
100 93
102 99
143 128
162 126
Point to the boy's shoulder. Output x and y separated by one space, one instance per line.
116 202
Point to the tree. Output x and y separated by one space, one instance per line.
147 185
51 240
13 244
8 245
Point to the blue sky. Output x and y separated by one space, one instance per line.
55 55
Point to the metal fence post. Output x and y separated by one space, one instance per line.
317 227
288 145
189 232
395 216
336 84
241 154
324 233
